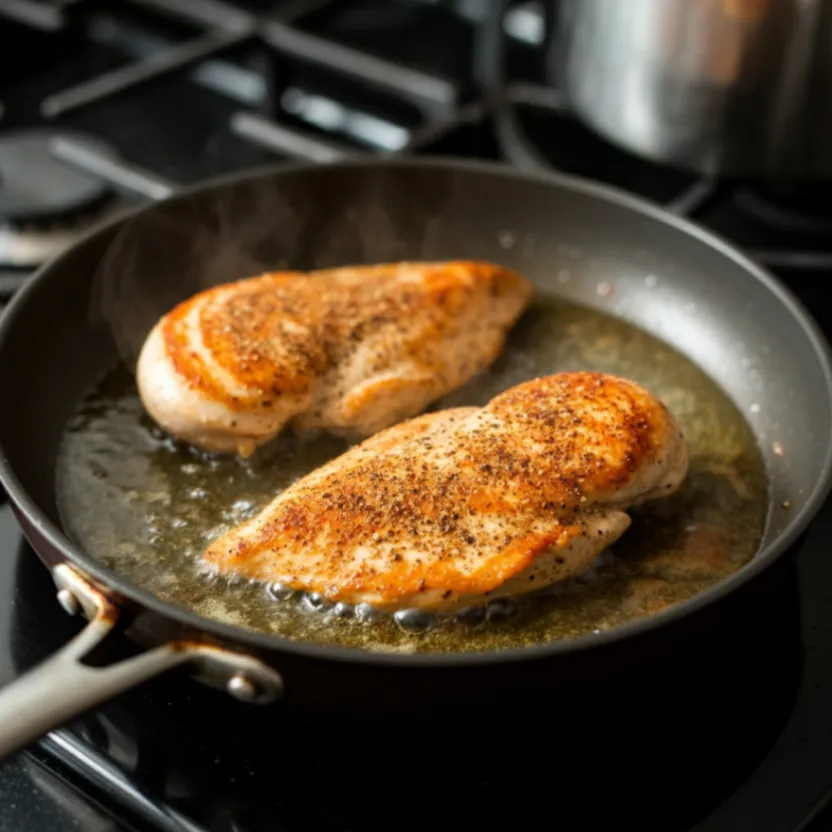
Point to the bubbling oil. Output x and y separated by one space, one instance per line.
147 506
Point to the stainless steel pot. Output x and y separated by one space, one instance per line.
734 87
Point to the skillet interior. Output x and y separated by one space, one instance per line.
661 277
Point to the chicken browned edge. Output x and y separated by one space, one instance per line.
350 350
467 504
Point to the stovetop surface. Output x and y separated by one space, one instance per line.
741 737
183 91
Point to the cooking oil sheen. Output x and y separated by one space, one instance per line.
146 506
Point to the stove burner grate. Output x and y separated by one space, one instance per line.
803 209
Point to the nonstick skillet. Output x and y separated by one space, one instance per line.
623 256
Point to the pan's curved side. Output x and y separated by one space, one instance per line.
574 239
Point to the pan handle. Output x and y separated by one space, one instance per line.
63 687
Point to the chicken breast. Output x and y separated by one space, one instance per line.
462 505
350 350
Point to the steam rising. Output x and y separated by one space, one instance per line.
309 219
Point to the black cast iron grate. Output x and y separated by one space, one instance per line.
320 80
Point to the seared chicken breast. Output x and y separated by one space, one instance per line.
350 350
462 505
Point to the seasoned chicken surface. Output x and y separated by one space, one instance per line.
454 507
348 350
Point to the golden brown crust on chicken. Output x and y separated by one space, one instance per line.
460 504
352 349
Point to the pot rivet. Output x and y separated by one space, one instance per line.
242 688
69 602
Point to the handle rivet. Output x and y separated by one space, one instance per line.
69 602
241 687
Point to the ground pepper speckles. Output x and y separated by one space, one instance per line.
580 441
120 478
356 348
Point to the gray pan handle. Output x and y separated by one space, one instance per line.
63 687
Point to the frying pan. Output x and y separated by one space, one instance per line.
55 341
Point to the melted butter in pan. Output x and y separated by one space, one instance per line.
146 506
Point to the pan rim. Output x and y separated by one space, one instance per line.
764 557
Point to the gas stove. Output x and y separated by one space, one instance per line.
105 105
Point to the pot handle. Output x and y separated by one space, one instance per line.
63 687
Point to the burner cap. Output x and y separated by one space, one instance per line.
44 202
